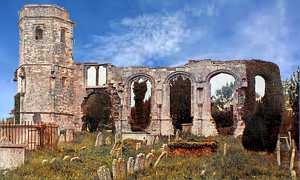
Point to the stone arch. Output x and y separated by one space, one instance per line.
225 71
180 73
223 108
114 105
181 114
147 105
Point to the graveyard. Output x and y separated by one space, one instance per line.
81 159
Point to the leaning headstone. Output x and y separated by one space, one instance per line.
138 146
99 139
104 173
66 158
75 159
130 166
83 148
139 162
114 169
52 160
121 168
45 161
108 140
149 160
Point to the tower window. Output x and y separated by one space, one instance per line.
38 33
63 82
62 35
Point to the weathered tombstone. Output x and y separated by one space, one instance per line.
130 166
44 161
139 162
149 160
11 155
66 158
138 146
75 159
104 173
83 148
114 169
52 160
99 139
108 140
121 168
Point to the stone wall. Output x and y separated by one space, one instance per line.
53 85
11 156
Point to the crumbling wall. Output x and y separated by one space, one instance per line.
262 118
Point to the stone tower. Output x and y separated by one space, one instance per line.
44 76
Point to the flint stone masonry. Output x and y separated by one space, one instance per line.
11 156
56 88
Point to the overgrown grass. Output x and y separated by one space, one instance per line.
237 164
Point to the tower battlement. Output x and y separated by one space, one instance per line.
43 10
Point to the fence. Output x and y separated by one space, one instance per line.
35 136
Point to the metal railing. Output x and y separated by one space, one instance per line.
34 136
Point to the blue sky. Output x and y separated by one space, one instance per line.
164 32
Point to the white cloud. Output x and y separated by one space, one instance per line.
140 40
264 35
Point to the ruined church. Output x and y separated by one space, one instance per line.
53 87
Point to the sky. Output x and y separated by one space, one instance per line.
164 33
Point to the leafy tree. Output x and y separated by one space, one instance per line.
223 96
221 110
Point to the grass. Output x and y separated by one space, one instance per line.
237 164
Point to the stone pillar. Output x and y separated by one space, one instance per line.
166 122
208 122
239 124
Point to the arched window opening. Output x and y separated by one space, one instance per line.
260 87
97 112
38 33
180 101
222 93
140 103
91 76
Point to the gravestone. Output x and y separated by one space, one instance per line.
99 140
139 162
11 155
114 169
130 166
104 173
